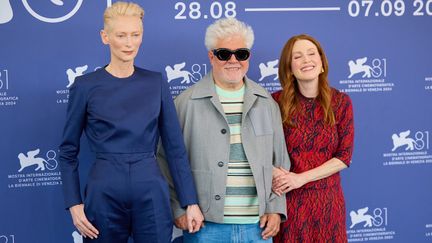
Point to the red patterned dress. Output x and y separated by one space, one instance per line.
316 211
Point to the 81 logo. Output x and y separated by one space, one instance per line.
379 217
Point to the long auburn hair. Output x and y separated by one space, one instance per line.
289 99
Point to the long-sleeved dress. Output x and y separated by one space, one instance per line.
123 119
316 211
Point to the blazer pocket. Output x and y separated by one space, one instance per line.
261 121
203 183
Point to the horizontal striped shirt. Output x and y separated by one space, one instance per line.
241 200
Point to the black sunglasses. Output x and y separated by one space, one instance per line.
224 54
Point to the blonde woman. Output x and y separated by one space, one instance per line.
124 110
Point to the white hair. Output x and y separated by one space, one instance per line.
225 28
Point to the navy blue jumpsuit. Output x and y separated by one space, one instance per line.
123 118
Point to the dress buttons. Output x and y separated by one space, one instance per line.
220 164
217 197
223 131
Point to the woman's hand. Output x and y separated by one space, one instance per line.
194 217
277 171
81 222
287 181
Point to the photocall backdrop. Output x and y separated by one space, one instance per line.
379 53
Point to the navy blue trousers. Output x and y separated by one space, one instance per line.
126 195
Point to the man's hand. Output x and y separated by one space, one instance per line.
80 221
194 218
181 222
271 222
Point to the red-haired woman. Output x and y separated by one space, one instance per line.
319 133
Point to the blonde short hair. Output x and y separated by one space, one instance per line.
122 9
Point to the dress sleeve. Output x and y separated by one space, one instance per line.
175 151
345 129
70 146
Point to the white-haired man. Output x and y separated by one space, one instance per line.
233 134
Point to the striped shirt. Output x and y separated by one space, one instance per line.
241 200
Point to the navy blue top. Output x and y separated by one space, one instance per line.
123 115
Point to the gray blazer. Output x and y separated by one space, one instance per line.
207 138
